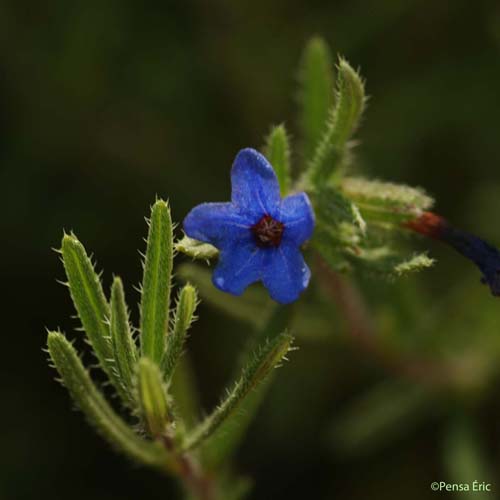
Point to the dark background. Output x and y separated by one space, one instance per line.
103 105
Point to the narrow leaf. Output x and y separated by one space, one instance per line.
156 283
91 304
344 117
265 359
227 438
196 249
124 348
184 315
316 93
98 412
386 262
386 202
152 397
277 151
415 263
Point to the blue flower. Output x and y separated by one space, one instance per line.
485 256
258 234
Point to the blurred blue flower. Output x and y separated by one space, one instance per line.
485 256
258 234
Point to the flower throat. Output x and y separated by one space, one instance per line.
268 232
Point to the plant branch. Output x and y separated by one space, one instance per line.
363 333
190 473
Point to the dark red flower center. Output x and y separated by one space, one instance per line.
268 232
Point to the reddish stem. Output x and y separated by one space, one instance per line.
362 331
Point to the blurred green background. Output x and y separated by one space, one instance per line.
103 105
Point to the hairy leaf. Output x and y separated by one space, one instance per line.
124 348
277 151
152 397
343 120
316 95
225 441
98 412
265 359
90 302
385 261
156 283
385 201
184 315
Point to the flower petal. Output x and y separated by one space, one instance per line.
239 265
285 274
255 187
217 223
297 215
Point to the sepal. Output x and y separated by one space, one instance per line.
316 94
152 398
196 249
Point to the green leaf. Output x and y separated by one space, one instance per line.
184 315
253 307
124 348
264 360
156 283
91 304
333 209
465 458
196 249
152 397
344 118
415 263
388 263
225 441
386 202
342 239
339 226
384 412
98 412
316 95
277 151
